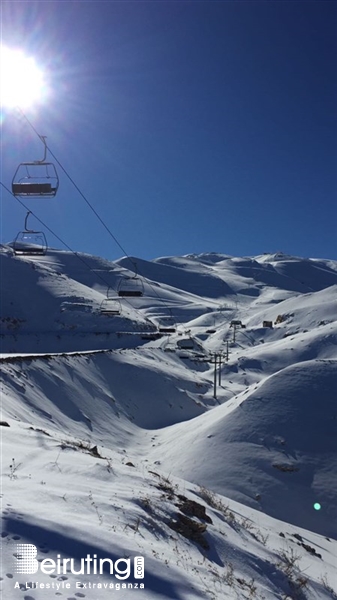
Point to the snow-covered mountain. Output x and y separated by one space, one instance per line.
114 444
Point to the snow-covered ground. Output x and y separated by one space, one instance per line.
113 444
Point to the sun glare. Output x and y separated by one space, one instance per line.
21 81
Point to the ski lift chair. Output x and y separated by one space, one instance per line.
131 287
167 323
30 242
36 179
111 305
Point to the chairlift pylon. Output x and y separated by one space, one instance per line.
36 179
30 242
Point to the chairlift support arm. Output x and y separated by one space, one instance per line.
26 221
43 140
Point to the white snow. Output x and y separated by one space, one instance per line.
113 444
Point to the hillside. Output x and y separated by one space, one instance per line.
113 441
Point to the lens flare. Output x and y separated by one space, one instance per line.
317 506
21 81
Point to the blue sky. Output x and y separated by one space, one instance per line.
190 126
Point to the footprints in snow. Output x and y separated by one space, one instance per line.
9 513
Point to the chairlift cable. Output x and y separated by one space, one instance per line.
51 231
106 283
92 208
77 188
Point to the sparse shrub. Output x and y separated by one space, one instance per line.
290 561
166 486
13 467
215 502
145 503
134 526
229 575
263 538
296 580
327 586
247 524
249 585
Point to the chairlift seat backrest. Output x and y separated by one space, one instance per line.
33 189
106 310
130 293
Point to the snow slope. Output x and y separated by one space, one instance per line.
113 443
273 447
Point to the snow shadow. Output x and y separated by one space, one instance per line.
47 540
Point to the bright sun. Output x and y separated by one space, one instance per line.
21 81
